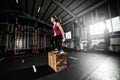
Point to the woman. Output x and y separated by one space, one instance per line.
58 34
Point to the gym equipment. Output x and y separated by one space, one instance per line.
35 37
23 61
57 62
34 44
16 27
18 38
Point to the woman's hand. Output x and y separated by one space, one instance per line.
63 40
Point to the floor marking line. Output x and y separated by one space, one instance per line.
2 59
34 68
73 58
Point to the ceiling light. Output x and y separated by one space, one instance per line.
39 9
76 21
17 1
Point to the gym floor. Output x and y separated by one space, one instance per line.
81 66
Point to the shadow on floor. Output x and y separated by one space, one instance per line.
28 73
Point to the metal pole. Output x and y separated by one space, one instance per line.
16 27
118 8
109 11
35 37
97 15
38 38
7 36
18 38
92 21
26 30
28 38
44 42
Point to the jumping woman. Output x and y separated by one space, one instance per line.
59 36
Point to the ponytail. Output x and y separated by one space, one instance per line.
57 19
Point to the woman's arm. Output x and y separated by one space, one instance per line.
61 29
54 33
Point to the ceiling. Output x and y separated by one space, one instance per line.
65 9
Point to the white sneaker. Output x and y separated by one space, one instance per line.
54 51
61 52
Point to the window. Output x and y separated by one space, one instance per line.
91 30
116 24
108 24
68 35
98 28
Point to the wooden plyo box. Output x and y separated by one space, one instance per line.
57 62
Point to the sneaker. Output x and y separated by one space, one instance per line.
61 52
54 51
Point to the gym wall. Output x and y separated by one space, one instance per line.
81 29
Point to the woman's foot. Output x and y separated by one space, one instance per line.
55 50
61 52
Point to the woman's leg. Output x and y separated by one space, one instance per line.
52 41
59 43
